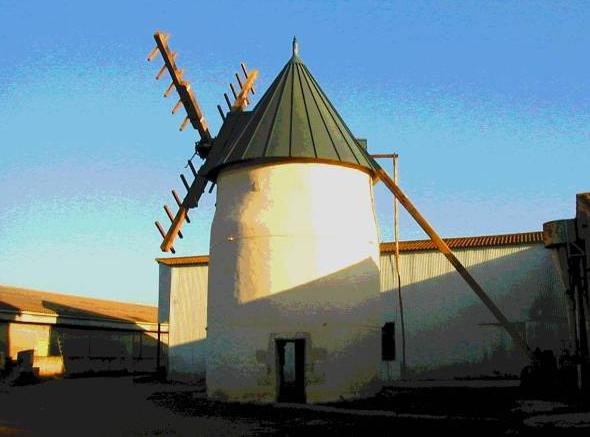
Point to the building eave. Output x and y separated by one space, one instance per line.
516 239
55 319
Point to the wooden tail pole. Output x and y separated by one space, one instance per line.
446 251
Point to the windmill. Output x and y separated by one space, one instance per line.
194 116
294 228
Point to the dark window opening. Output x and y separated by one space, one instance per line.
388 342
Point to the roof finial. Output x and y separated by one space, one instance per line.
295 46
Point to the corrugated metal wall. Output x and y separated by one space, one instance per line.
78 350
449 332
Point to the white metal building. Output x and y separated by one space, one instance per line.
449 333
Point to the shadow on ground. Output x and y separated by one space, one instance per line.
145 406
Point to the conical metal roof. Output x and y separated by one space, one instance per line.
293 120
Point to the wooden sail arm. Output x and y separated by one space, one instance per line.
242 97
185 92
174 229
191 200
448 253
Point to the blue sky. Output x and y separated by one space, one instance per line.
487 103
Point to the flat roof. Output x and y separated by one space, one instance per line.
522 238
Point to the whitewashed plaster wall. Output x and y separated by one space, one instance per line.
294 254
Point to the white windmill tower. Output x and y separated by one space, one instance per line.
294 256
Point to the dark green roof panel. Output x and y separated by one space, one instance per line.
293 119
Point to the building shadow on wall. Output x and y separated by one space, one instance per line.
98 343
186 362
337 317
450 333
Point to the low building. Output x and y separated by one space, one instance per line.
60 334
449 333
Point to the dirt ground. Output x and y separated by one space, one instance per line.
128 406
104 406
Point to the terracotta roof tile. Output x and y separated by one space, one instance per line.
406 246
465 242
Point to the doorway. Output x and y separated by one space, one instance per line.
291 370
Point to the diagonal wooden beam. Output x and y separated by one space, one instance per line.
448 253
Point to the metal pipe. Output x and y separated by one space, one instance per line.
397 267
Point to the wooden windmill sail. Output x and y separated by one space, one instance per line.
195 116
